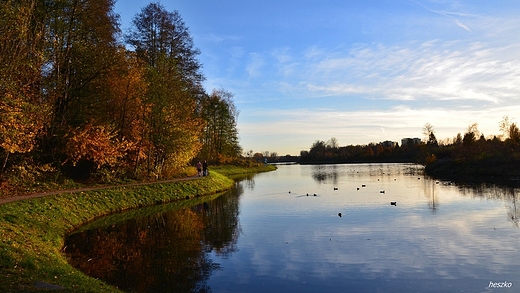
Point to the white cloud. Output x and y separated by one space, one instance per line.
215 38
255 64
429 68
432 71
449 84
451 15
282 54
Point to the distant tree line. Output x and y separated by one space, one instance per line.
472 154
468 154
331 152
77 99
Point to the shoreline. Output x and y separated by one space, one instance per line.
33 230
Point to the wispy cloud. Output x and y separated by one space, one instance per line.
450 84
215 38
255 64
452 15
448 71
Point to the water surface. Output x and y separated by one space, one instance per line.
282 231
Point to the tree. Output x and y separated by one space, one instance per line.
504 126
220 134
94 143
22 111
432 140
126 107
317 150
79 54
471 135
514 133
428 132
332 143
158 33
458 139
162 41
249 154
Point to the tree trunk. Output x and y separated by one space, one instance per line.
4 164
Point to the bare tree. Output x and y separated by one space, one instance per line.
430 135
427 129
504 126
333 143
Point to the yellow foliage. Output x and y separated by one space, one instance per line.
97 143
19 124
430 159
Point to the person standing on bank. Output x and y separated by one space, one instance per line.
205 168
199 168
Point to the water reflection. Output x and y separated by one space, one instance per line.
513 211
440 237
488 191
325 173
332 174
164 252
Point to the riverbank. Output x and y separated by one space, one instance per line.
489 171
33 231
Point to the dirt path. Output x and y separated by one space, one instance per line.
5 200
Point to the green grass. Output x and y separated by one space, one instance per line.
33 231
236 171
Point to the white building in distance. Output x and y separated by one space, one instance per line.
410 141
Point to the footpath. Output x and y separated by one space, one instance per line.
5 200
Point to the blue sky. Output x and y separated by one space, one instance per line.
360 71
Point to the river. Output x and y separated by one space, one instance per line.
315 228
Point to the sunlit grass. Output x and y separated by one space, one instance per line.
237 170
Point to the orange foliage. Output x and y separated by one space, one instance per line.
20 123
96 143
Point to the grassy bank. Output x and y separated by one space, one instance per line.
237 171
33 231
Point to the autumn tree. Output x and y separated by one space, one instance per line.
80 45
22 112
161 39
127 108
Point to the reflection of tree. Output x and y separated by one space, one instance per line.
323 174
222 225
501 192
161 253
248 182
429 190
512 213
166 252
433 204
